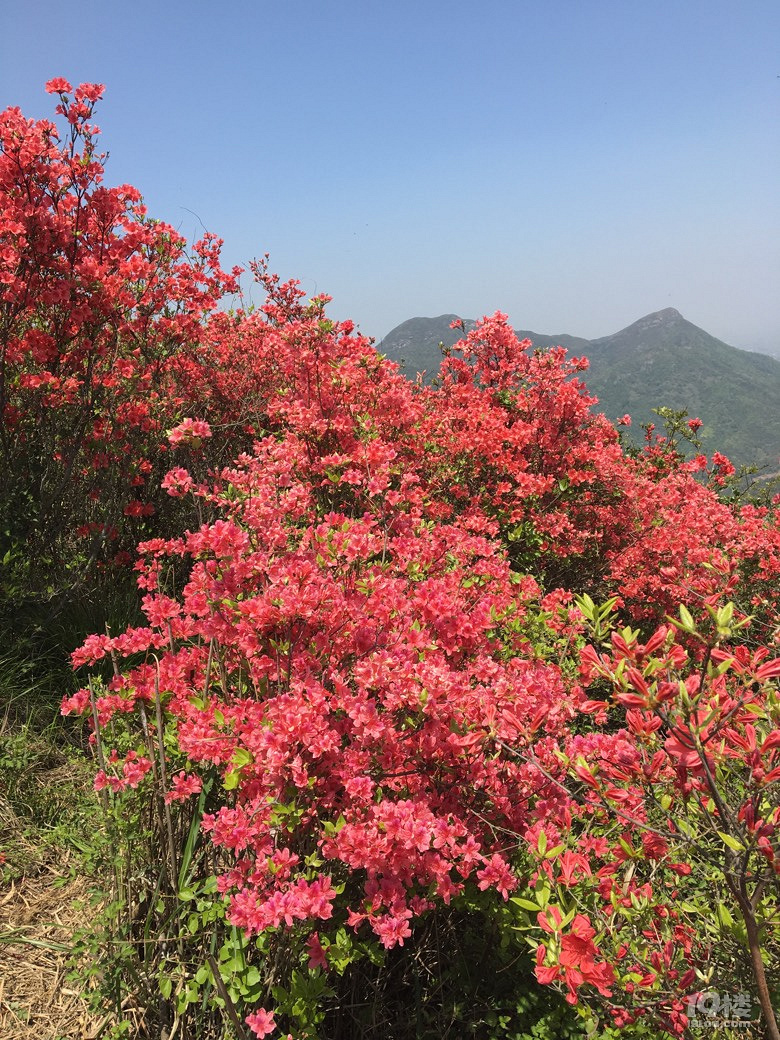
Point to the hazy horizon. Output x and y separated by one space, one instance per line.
574 165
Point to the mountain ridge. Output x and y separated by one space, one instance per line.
660 360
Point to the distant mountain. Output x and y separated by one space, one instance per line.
660 360
417 343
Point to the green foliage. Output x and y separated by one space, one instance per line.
459 975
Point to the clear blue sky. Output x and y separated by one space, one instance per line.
576 163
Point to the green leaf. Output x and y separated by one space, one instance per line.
526 904
586 606
568 917
724 916
193 833
241 757
685 828
627 848
542 890
733 844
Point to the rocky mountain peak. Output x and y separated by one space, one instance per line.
658 319
667 314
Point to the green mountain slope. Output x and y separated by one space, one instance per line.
660 360
416 344
663 359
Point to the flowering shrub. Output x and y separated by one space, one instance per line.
387 699
668 839
344 674
364 694
98 303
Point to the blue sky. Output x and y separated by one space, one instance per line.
575 163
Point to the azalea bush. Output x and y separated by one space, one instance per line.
334 656
668 840
99 304
416 661
398 715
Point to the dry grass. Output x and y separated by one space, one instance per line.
37 922
40 912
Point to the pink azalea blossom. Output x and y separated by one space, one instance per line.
261 1022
